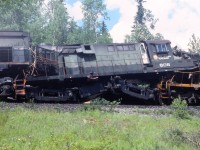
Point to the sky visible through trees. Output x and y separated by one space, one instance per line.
49 21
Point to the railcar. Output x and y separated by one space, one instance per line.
82 71
15 58
14 52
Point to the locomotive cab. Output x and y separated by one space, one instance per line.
161 56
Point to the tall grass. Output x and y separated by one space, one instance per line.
49 129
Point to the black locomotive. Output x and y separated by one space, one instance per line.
82 71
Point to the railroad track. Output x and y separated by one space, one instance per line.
71 107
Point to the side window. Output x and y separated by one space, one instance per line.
87 47
161 48
120 48
111 48
126 48
5 54
132 47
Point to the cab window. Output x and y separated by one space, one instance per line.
161 48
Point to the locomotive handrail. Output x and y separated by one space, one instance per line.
192 72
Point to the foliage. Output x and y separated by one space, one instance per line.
22 15
93 30
103 36
4 116
144 16
57 21
194 44
140 32
47 22
143 85
180 108
158 36
49 129
16 15
74 34
178 136
144 21
99 103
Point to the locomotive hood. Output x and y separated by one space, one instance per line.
157 42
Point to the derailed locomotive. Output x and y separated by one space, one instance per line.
81 71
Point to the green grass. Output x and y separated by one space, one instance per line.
25 129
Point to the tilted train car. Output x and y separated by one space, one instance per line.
76 72
85 70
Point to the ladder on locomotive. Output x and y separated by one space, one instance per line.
19 87
163 94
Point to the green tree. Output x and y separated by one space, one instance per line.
22 16
140 32
93 11
75 33
140 13
57 21
17 15
194 44
103 36
144 21
47 21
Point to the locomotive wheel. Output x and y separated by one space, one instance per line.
5 90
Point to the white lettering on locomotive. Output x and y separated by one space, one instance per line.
163 65
164 57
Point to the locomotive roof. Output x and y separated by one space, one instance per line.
156 41
88 48
47 46
81 48
14 34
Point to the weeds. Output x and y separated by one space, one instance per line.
49 129
180 108
178 136
163 112
1 104
175 134
100 103
4 116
